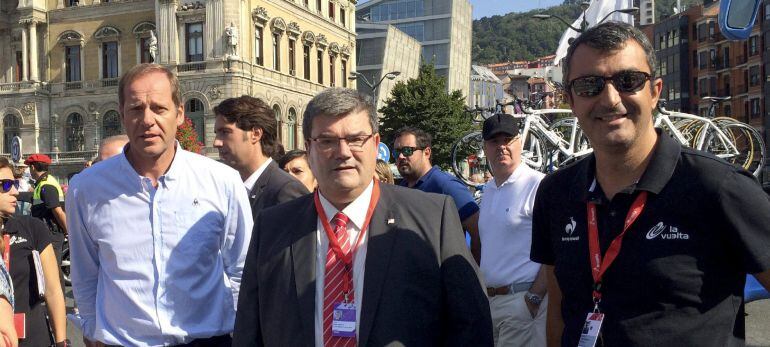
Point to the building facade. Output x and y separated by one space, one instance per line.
673 46
443 28
382 49
58 80
486 88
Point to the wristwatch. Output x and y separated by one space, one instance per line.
533 298
65 343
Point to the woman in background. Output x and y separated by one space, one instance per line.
384 175
27 235
295 163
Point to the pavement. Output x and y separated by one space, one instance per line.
757 323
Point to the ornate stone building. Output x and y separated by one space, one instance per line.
58 80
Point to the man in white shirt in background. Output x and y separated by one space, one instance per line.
158 235
516 285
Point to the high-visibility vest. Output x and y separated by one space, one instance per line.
47 180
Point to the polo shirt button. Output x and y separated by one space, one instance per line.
612 213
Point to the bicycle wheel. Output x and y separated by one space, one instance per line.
580 144
535 153
468 145
747 141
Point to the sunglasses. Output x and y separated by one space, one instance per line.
7 184
406 151
624 82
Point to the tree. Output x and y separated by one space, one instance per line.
423 102
188 137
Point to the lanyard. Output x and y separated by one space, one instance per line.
334 243
7 251
599 265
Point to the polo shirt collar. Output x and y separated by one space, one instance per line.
658 172
511 178
422 179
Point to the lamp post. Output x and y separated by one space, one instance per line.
584 23
390 75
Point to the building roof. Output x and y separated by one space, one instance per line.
483 73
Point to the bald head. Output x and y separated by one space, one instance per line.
111 146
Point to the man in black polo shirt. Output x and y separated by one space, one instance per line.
697 225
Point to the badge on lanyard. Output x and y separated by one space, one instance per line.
344 320
591 329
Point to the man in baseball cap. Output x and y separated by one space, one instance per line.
516 286
48 200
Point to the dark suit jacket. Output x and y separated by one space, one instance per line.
274 186
421 285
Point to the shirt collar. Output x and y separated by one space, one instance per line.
356 210
422 179
249 182
174 172
492 184
658 172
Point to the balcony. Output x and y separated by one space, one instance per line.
110 82
194 67
15 87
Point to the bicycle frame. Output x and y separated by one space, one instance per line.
664 117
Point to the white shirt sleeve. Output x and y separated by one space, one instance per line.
237 235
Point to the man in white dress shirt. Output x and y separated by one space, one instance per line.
158 235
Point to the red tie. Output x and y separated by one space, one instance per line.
335 280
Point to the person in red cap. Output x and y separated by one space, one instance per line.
48 200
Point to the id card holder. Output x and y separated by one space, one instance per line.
591 329
20 323
344 320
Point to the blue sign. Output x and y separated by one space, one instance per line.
383 152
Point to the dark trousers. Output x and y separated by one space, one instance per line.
214 341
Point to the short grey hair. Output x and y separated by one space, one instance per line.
337 102
608 37
114 138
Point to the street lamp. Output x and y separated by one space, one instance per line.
390 75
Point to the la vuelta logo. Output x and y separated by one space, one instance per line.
666 232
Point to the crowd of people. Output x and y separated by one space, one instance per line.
322 247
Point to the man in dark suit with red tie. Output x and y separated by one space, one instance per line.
358 263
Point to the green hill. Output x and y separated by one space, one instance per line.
518 36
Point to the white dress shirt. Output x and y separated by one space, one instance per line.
157 266
249 182
505 228
356 212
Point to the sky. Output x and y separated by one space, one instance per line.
488 8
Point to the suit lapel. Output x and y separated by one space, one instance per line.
303 254
378 252
261 183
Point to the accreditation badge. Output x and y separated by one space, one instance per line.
591 329
344 320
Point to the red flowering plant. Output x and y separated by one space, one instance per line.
188 137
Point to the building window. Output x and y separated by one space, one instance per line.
694 59
71 3
342 17
259 46
331 11
291 139
398 9
72 63
753 47
754 108
74 132
277 51
278 122
332 70
292 56
320 65
194 33
754 76
306 3
702 60
111 124
193 109
306 61
713 58
110 60
19 66
11 128
318 5
712 29
344 64
415 30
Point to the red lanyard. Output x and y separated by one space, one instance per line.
7 251
334 243
599 265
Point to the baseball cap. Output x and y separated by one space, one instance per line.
38 158
500 123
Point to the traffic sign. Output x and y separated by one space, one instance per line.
383 152
16 149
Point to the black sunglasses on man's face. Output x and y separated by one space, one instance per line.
6 184
624 82
406 151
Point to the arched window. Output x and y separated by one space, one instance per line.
278 123
291 139
193 109
111 124
74 132
11 128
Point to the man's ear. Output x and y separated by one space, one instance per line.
256 135
428 152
